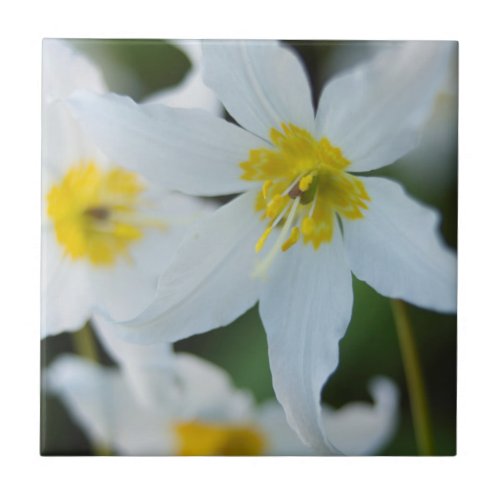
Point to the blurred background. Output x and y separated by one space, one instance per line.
140 68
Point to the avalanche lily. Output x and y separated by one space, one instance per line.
205 414
107 232
307 218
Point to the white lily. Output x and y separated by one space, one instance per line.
205 414
107 233
302 192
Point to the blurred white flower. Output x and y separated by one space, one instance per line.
299 171
205 414
107 233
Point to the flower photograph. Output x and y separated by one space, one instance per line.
249 247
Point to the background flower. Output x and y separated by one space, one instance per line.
107 232
205 414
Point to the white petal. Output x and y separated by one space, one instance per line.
190 93
128 353
208 283
186 150
65 70
207 391
375 112
261 83
397 249
64 144
362 428
103 405
306 308
65 292
121 291
280 439
177 212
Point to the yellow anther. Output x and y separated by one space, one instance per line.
259 245
294 237
265 188
307 226
275 206
305 182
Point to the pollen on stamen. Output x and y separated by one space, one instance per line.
305 182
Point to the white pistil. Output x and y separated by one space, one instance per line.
290 187
280 216
262 267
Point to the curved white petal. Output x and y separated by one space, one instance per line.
208 283
128 354
306 308
261 83
65 70
186 150
190 93
375 112
105 407
397 249
362 428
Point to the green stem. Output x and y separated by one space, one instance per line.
86 347
414 379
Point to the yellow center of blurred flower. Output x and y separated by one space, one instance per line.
95 214
210 439
304 183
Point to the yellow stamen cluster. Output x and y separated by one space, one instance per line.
312 171
94 213
210 439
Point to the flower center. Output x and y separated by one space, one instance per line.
304 184
209 439
95 212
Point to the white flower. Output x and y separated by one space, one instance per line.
107 233
302 192
205 414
